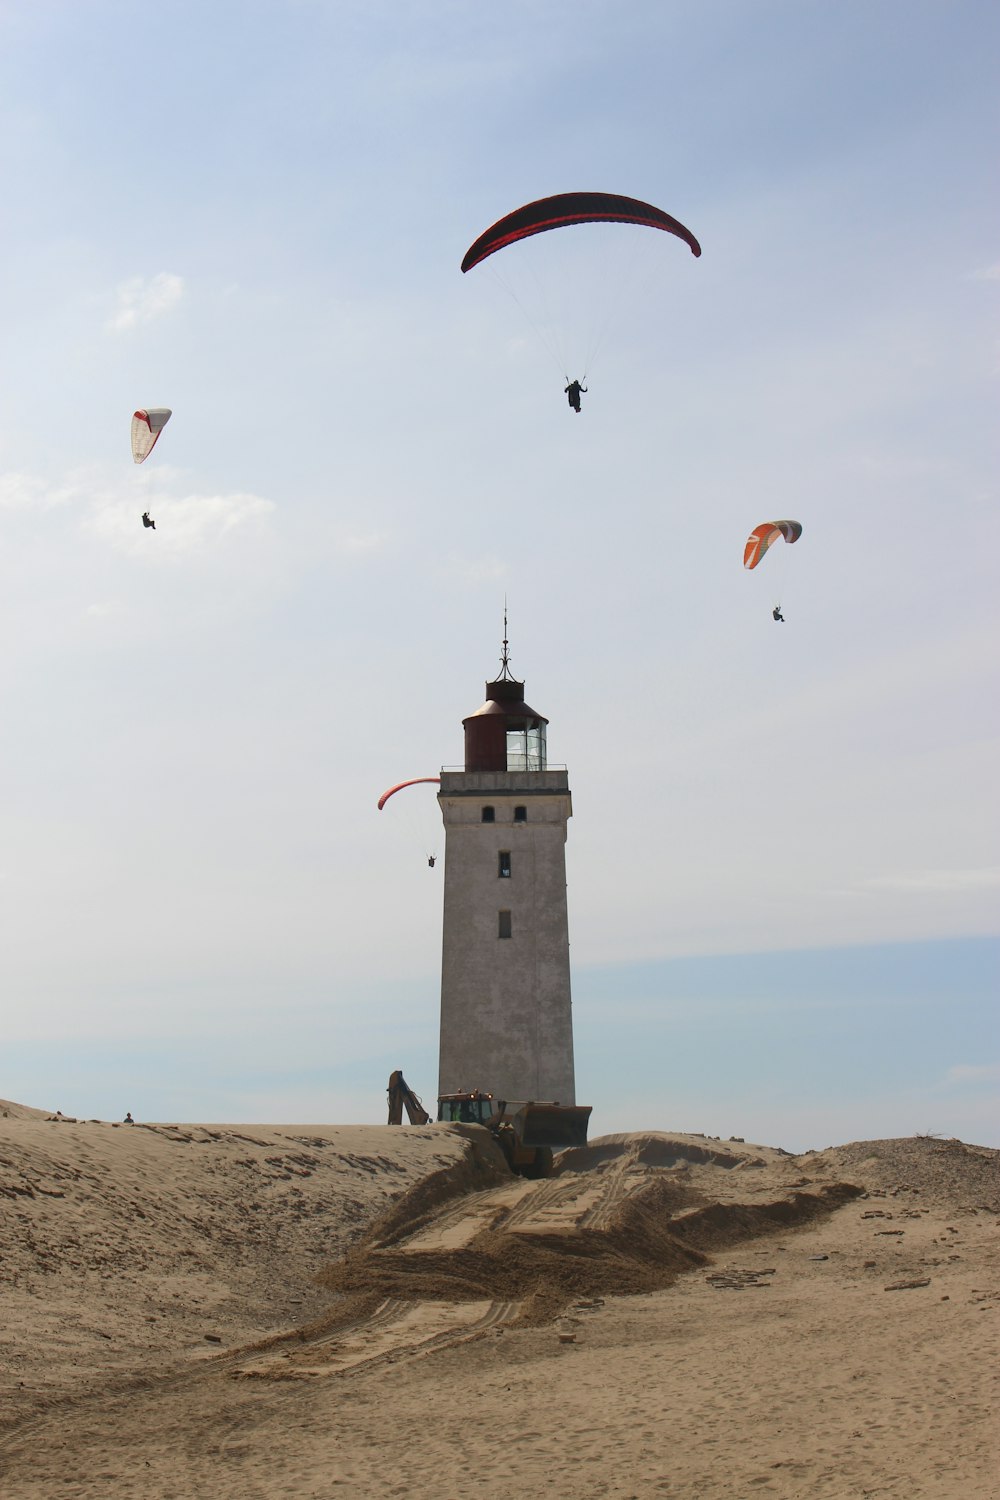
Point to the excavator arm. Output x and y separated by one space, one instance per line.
401 1097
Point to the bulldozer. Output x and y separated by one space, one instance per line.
527 1133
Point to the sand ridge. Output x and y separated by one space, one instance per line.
667 1315
132 1248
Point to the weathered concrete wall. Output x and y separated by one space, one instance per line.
506 1011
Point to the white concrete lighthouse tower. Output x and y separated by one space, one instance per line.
506 1016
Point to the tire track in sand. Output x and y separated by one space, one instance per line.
397 1330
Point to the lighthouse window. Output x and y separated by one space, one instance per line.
503 864
520 815
526 748
489 815
504 931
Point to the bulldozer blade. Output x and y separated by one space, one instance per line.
550 1124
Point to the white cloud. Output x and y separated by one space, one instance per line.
112 508
31 492
141 300
986 273
184 523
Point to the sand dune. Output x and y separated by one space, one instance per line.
314 1310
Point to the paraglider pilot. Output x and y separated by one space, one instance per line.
573 393
776 613
147 520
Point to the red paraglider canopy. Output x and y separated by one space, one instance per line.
417 781
573 208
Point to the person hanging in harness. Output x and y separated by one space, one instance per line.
776 614
573 393
147 520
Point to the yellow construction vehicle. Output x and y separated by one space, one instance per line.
401 1097
527 1133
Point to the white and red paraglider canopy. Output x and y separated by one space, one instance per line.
147 424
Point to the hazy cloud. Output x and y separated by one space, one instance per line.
141 300
973 1073
938 881
357 543
472 570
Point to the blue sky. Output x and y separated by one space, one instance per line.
255 214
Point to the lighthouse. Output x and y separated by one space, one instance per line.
506 1015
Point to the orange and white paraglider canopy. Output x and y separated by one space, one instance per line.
765 535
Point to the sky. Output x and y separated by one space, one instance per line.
783 863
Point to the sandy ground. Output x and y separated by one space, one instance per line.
313 1311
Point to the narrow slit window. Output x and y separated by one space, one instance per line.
520 815
503 864
504 930
489 815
